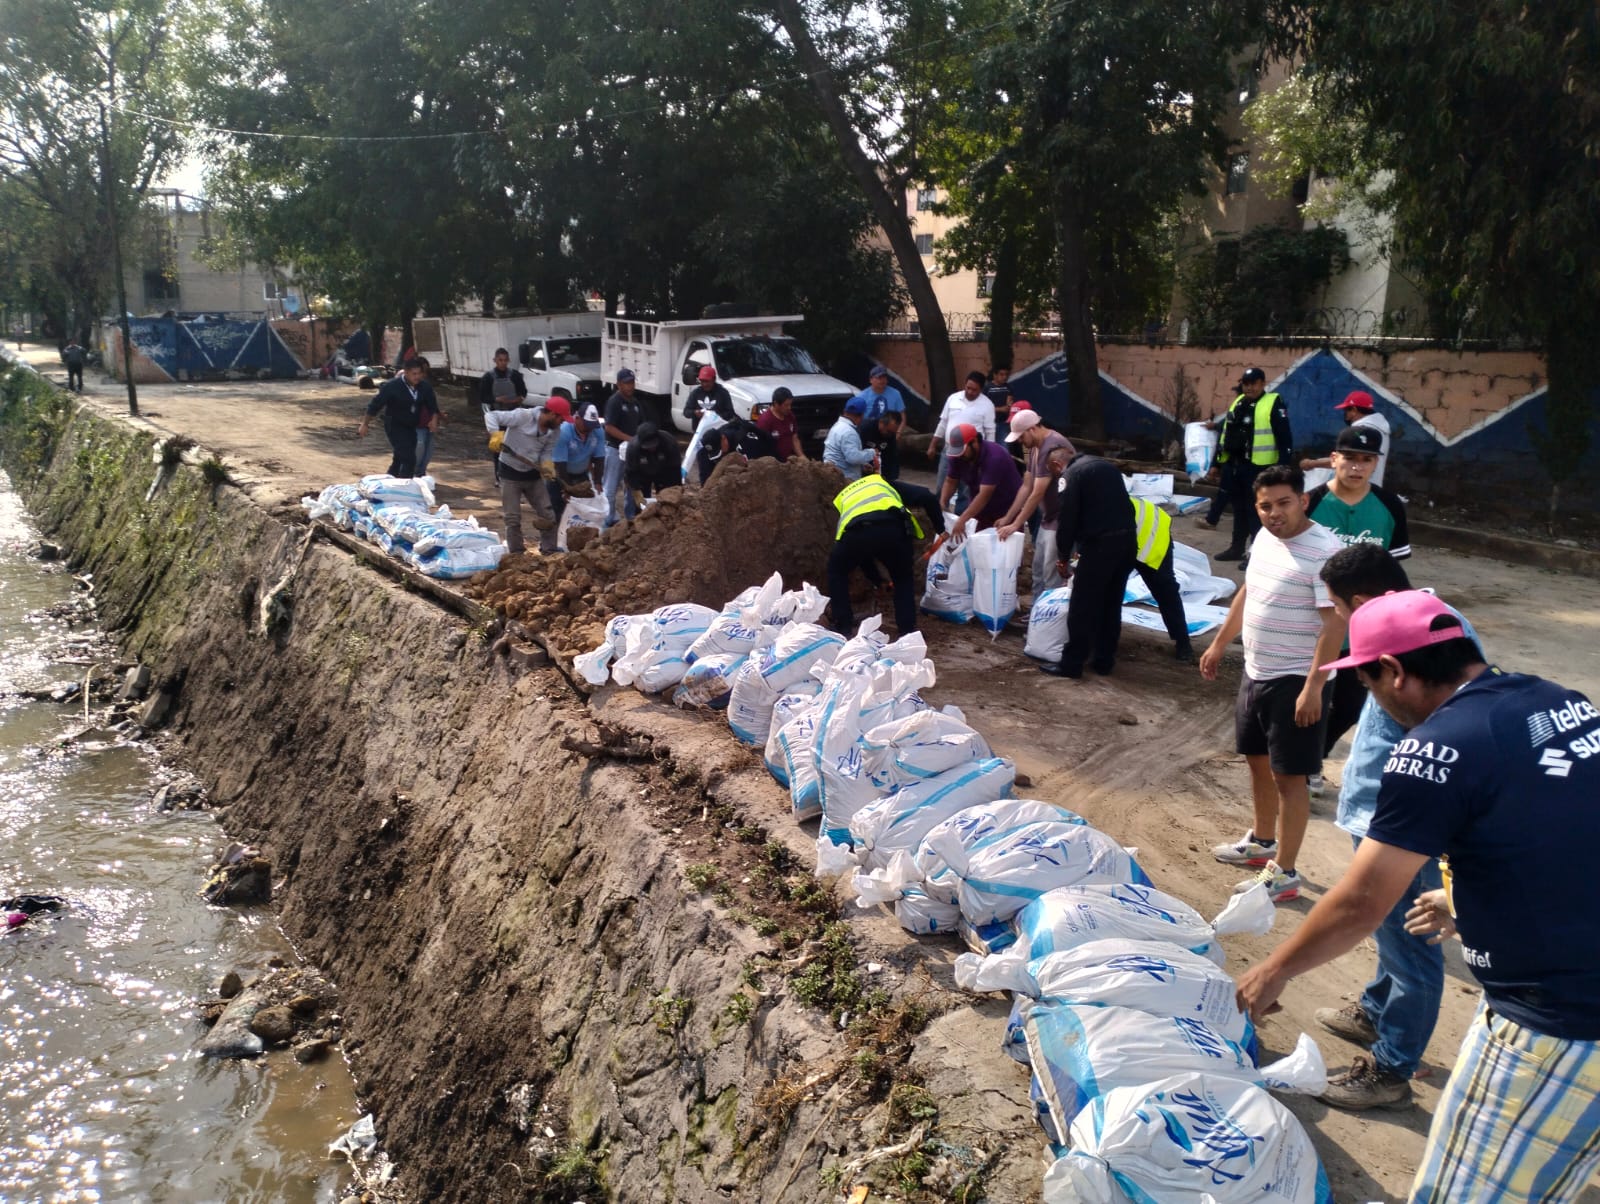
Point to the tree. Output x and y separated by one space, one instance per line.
1119 107
87 92
1487 114
1256 286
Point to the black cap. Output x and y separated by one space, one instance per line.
1252 374
1359 439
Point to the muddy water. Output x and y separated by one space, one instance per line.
101 1095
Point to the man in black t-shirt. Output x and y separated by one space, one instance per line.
1497 774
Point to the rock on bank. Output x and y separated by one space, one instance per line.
537 1002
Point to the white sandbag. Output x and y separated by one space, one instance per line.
1199 448
1157 977
948 590
797 751
1152 486
857 654
708 682
803 605
897 882
595 666
847 708
1078 1052
679 625
454 563
1197 620
968 827
1047 625
898 821
919 746
1202 591
750 703
833 860
993 563
1071 916
742 626
1189 561
794 652
581 512
417 491
998 875
785 709
1188 1139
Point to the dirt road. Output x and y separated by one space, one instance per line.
1145 754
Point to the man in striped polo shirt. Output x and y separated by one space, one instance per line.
1290 629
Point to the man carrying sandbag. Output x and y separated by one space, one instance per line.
875 528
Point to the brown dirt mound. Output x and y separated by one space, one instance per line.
694 545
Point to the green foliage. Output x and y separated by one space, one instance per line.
1257 286
829 979
670 1011
740 1009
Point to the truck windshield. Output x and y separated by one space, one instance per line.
763 357
573 351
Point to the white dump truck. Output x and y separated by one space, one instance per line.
558 354
752 357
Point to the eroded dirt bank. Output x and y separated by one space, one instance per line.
563 975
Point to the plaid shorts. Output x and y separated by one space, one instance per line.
1519 1120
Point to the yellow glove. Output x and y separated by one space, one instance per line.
547 470
497 440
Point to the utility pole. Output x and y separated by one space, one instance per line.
107 176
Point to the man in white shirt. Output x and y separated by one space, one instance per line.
1359 410
969 406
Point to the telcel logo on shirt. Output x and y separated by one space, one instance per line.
1545 726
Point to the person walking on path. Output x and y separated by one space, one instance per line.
408 404
1096 520
1356 511
527 467
1498 776
983 471
1291 631
623 414
875 528
1360 410
1255 435
73 355
1396 1014
843 447
708 397
877 399
1037 494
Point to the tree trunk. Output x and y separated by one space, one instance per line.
1077 331
890 211
1568 411
1003 304
375 348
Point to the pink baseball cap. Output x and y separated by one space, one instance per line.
1359 400
1394 624
1024 421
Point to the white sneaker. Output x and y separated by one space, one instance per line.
1316 784
1282 885
1247 850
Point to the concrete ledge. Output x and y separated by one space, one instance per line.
1506 547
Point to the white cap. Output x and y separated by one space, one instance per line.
1022 420
591 415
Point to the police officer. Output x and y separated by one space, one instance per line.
1153 561
875 528
1095 519
1255 435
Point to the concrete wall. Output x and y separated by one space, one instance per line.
200 287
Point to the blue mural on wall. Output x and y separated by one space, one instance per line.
1495 454
205 347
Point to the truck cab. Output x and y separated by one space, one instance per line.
565 365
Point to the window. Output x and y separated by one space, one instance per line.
926 198
986 285
159 287
763 356
1238 174
274 290
564 352
1247 84
924 244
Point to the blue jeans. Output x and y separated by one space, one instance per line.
611 485
424 450
1402 1000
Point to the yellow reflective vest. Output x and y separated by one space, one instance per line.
867 496
1263 443
1155 532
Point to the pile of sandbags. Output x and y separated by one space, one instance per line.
398 515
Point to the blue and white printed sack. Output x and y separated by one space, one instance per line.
1188 1139
1078 1053
900 819
967 828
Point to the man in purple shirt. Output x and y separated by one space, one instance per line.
987 471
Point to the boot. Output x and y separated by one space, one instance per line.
1234 551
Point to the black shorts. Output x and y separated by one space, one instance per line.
1264 726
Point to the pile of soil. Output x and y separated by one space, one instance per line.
693 545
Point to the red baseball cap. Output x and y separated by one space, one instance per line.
559 405
959 438
1018 404
1394 624
707 372
1359 400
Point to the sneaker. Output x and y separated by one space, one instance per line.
1350 1022
1366 1085
1316 784
1247 850
1282 885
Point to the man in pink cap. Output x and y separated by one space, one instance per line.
1039 493
1359 409
1498 775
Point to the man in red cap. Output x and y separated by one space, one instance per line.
1497 774
707 396
987 472
526 463
1359 410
